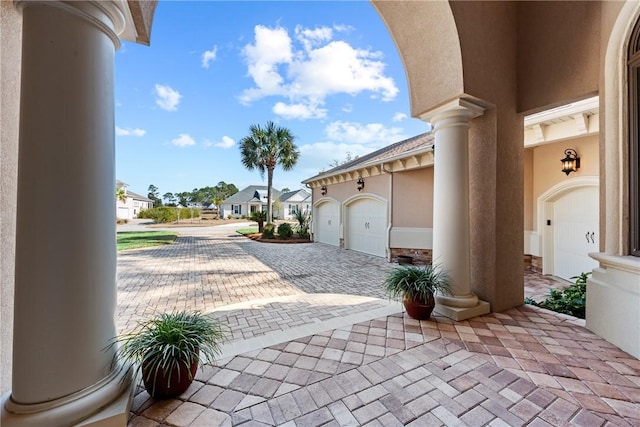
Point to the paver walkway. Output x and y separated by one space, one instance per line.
315 342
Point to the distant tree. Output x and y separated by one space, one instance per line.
286 190
153 194
264 149
169 199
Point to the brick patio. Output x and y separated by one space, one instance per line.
315 342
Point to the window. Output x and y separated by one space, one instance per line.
634 146
237 209
293 209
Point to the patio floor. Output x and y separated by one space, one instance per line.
315 342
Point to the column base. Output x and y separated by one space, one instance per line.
463 313
105 405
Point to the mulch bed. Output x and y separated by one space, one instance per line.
258 238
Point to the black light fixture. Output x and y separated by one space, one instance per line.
323 190
360 183
571 161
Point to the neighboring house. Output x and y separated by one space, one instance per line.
251 199
134 203
393 213
294 201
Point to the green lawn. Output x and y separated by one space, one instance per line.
144 239
250 230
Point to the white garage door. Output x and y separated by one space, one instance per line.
367 227
575 232
327 223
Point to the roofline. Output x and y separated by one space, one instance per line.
421 150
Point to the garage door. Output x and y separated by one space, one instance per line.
327 223
367 227
575 232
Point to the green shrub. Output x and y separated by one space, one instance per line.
269 231
160 215
229 216
572 300
145 214
285 231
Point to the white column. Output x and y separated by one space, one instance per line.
451 239
65 275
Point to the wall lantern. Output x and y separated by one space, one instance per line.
360 183
571 162
323 190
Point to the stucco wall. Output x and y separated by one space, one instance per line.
559 44
546 166
10 42
413 198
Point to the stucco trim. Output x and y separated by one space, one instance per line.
411 237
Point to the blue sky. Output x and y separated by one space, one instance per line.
328 71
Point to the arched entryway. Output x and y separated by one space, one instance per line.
568 217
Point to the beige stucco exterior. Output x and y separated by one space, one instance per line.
412 204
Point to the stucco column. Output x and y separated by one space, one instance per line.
451 239
65 268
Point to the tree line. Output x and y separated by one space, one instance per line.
204 195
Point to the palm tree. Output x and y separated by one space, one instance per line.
264 149
121 194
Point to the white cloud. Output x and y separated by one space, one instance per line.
347 108
309 71
167 98
226 142
299 111
183 140
130 132
398 117
371 134
209 56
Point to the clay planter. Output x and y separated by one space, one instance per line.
176 383
419 310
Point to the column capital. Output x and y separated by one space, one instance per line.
461 110
111 17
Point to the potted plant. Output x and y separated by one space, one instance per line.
168 348
417 287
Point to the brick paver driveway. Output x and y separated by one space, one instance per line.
312 346
210 268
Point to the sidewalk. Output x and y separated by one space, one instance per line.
306 351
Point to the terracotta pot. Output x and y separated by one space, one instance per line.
419 310
176 383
